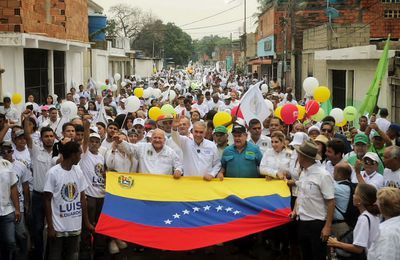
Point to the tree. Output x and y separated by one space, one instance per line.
127 21
177 44
207 45
150 39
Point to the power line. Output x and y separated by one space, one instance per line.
216 25
211 16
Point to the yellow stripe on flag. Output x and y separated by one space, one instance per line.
154 187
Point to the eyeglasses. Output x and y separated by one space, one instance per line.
369 162
326 130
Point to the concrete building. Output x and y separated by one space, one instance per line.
42 46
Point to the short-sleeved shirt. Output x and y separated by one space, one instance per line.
24 175
7 180
315 186
244 164
66 187
92 166
366 232
342 196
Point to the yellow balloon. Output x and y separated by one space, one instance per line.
155 113
222 118
322 94
302 112
277 112
16 98
138 92
341 124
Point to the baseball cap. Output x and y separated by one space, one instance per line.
138 121
19 133
165 117
395 128
372 156
314 128
220 129
299 138
95 135
361 138
94 129
238 129
6 144
45 108
322 139
376 134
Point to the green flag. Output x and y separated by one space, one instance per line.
371 98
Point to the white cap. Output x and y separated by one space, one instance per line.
138 121
96 135
314 128
94 129
372 156
299 138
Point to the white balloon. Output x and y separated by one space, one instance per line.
132 104
172 95
264 88
123 84
270 106
117 76
338 114
114 87
157 93
68 109
147 93
309 85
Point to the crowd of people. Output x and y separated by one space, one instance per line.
344 181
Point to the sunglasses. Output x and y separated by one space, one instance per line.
7 151
326 130
369 162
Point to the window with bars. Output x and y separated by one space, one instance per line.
390 1
390 14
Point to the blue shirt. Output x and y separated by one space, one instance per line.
244 164
342 196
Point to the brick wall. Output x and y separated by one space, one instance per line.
53 18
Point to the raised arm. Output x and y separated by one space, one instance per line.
28 135
86 134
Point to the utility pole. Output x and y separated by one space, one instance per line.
233 55
245 36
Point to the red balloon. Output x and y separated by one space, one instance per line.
236 112
289 113
312 107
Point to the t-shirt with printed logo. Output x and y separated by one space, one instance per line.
92 166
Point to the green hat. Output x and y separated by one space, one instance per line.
220 129
375 134
361 138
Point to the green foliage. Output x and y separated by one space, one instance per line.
207 45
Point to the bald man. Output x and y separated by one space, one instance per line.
154 157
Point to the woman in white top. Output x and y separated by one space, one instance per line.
366 230
276 160
387 246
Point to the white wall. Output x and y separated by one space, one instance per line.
143 68
100 68
73 69
13 79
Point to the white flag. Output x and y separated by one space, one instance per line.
253 105
101 115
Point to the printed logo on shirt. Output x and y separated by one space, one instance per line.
250 153
126 182
392 184
264 144
99 169
69 192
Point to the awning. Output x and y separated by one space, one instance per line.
260 62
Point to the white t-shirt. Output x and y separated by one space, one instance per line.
7 180
374 179
92 166
365 233
66 187
23 156
383 124
23 175
391 179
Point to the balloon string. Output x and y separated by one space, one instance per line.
123 123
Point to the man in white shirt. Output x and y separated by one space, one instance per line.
370 174
200 156
184 125
41 159
382 122
215 103
112 129
154 157
334 153
201 106
181 106
391 175
65 204
10 112
255 137
9 204
315 203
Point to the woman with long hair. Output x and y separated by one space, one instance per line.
275 163
366 230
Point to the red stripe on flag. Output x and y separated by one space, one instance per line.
190 238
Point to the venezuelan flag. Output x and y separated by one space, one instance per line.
160 212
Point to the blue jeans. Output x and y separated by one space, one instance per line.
21 235
37 222
8 244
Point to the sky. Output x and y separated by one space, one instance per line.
182 12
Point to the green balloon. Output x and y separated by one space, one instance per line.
319 116
167 109
104 87
350 113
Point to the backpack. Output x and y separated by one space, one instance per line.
352 213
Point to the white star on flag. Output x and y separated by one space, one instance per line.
236 212
228 209
176 215
219 208
206 208
196 209
168 222
185 212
